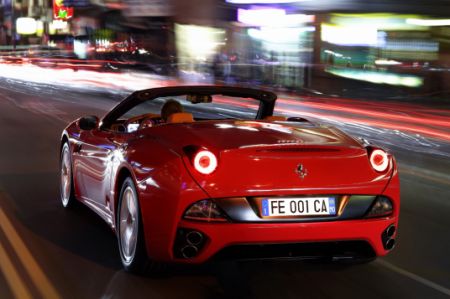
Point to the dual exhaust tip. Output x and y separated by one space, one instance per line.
193 241
388 237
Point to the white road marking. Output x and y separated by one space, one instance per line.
414 277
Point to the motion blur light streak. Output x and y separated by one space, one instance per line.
387 62
430 120
377 77
422 22
351 119
391 106
382 124
235 103
381 21
358 111
415 115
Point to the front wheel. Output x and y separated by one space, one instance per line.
68 199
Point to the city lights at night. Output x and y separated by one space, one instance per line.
224 149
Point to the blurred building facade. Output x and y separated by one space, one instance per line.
323 45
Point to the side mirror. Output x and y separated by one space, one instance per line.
88 123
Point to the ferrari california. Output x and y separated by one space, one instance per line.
195 173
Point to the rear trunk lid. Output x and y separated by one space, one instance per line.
258 158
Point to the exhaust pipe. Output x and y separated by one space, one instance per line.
194 238
387 237
189 243
390 231
189 251
390 244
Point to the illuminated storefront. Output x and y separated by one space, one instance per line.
197 46
379 48
276 43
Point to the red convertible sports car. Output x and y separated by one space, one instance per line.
194 173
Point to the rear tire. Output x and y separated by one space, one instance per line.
130 235
67 194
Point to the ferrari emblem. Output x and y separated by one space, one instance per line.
301 171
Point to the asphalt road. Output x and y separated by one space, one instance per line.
49 252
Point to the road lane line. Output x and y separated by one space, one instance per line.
415 277
38 277
12 277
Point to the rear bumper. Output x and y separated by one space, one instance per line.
221 237
164 223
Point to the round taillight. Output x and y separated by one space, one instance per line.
205 162
379 160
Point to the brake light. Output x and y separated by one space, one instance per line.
379 160
205 162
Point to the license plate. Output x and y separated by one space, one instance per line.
306 206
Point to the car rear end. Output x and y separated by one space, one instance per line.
283 191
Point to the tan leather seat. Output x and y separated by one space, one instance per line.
180 117
275 118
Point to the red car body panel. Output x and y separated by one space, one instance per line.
369 230
255 158
265 160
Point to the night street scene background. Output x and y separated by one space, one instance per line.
376 69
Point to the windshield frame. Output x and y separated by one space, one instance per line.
266 99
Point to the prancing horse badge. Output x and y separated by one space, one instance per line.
301 171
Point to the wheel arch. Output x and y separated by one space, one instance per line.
122 174
64 140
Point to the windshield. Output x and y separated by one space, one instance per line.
219 108
190 107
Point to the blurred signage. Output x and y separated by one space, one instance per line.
272 17
354 35
60 11
256 17
26 26
148 8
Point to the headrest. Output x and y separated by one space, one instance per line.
275 118
180 117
